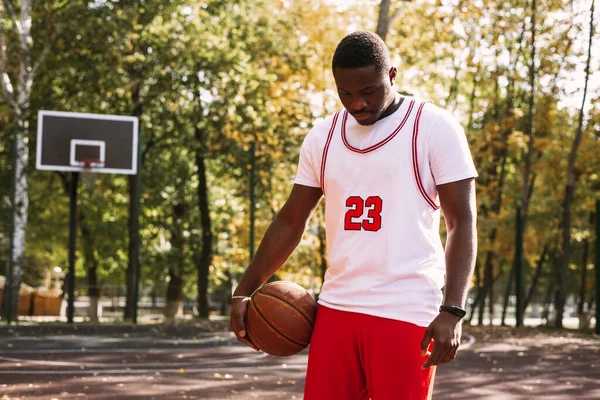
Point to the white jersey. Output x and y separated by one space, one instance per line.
382 212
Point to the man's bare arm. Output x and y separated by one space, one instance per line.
280 240
458 204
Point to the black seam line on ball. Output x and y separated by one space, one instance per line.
290 304
275 329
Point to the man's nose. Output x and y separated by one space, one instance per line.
358 104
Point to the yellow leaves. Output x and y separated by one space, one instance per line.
518 140
573 267
580 235
518 112
543 142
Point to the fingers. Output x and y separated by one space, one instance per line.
434 356
233 321
425 342
443 352
241 324
451 348
247 342
238 315
453 354
238 324
444 332
243 338
446 354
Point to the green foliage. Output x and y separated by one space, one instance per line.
210 77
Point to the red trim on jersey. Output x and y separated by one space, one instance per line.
384 141
415 158
326 149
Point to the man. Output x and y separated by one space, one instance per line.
382 163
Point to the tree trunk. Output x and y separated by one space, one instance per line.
176 262
536 278
133 259
173 307
583 284
153 296
204 259
570 189
453 91
226 297
385 19
501 156
20 205
488 283
507 292
530 152
477 292
582 313
484 293
549 289
91 266
472 98
19 103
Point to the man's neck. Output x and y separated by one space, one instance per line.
393 107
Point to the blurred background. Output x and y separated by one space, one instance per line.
225 92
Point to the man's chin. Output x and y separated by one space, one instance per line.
370 120
366 123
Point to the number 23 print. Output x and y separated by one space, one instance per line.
357 207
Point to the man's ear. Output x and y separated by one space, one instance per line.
393 73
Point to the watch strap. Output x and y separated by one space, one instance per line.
453 310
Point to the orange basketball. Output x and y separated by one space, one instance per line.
280 318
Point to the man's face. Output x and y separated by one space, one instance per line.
365 92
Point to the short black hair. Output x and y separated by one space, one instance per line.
361 49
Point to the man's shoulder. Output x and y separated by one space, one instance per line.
437 121
432 111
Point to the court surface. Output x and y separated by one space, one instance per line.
187 363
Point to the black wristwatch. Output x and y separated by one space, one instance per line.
453 310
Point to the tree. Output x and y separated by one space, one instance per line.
21 70
570 186
385 18
529 154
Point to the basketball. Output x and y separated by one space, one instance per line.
280 318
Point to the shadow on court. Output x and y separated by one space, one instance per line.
193 362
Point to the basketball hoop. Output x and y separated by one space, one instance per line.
89 168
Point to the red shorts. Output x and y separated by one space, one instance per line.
356 356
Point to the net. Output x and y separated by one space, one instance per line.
89 175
